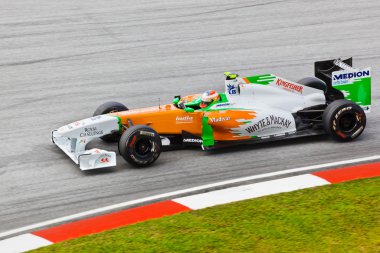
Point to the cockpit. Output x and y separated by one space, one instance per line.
199 101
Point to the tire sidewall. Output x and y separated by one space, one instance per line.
332 120
130 140
108 107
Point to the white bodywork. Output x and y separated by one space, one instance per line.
280 93
74 137
272 102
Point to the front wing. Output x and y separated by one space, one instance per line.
73 138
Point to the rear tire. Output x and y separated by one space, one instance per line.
344 120
313 82
110 107
140 146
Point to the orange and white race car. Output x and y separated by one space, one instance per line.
251 109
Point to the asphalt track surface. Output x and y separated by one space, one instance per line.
60 59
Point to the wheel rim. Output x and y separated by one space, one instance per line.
143 147
347 122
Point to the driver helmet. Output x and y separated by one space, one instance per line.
208 97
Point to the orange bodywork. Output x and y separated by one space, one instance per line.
164 119
170 120
224 122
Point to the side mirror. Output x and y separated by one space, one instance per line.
189 109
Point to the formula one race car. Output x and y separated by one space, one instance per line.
252 109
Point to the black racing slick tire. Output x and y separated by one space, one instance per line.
140 145
344 120
110 107
313 82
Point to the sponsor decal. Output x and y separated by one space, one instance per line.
75 124
220 119
345 77
104 160
191 140
91 131
222 104
268 122
95 118
147 133
349 75
82 141
289 86
184 119
231 89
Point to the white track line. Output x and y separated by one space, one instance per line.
180 192
22 243
243 192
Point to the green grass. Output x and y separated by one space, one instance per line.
334 218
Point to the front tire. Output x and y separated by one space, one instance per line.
140 146
110 107
344 120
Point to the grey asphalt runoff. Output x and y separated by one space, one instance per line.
59 60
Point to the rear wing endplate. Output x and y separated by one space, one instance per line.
346 82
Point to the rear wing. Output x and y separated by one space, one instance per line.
345 82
